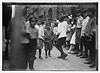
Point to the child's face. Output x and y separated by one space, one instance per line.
90 13
33 22
78 14
85 14
39 22
66 19
48 27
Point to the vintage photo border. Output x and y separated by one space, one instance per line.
39 2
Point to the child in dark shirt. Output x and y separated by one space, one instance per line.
48 33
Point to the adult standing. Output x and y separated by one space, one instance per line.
18 40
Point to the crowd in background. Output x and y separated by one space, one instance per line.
75 34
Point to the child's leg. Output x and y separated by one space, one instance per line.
50 46
46 50
49 53
32 53
68 43
40 54
40 48
32 58
71 48
45 53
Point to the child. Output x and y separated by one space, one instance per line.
48 33
40 28
55 32
34 39
72 40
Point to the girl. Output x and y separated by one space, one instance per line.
72 41
48 33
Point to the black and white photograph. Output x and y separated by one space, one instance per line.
47 36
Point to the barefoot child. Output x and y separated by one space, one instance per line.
48 33
40 28
34 41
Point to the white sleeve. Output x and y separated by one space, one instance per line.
73 26
42 31
58 29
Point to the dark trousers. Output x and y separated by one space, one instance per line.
96 59
93 48
90 44
83 44
78 36
60 42
30 52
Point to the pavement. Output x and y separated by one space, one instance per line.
71 63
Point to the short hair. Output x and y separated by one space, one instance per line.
42 22
61 18
78 11
31 19
56 24
85 10
92 10
65 16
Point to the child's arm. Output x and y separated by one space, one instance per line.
44 34
52 35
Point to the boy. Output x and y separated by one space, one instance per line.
78 31
34 41
61 37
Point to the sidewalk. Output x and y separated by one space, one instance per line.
72 63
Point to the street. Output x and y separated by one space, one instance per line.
72 63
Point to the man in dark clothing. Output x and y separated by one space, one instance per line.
90 37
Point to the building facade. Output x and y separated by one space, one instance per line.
52 11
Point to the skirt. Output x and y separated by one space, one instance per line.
48 45
69 36
73 38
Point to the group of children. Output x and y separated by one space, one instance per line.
82 42
77 32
